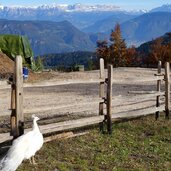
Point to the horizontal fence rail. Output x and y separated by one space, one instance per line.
138 112
60 126
138 80
71 124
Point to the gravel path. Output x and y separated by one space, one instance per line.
51 100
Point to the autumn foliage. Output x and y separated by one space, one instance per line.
159 51
116 52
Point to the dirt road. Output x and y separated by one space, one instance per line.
78 99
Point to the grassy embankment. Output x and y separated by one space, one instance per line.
143 144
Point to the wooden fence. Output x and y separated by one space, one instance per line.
134 113
105 102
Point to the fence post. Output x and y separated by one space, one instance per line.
109 98
167 89
102 77
101 92
158 89
19 95
13 110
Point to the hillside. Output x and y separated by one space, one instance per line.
146 27
68 61
145 47
6 66
49 37
7 69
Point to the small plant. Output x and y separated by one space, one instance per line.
38 64
90 64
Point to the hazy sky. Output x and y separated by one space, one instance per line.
126 4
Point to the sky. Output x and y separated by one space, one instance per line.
125 4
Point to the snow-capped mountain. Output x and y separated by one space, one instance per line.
163 8
79 15
87 8
69 8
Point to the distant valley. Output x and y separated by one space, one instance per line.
59 29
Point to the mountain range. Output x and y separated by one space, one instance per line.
48 36
79 15
135 30
105 25
163 8
146 27
68 28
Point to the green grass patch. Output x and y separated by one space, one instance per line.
143 144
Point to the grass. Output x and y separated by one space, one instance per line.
143 144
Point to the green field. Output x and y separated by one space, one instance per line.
143 144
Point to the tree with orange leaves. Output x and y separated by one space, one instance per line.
117 47
102 51
116 53
159 51
132 58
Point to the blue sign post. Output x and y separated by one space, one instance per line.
25 73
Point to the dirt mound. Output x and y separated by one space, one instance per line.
6 66
7 69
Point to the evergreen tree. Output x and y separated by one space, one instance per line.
117 48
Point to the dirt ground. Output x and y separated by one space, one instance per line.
79 98
6 66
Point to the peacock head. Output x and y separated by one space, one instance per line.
35 117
